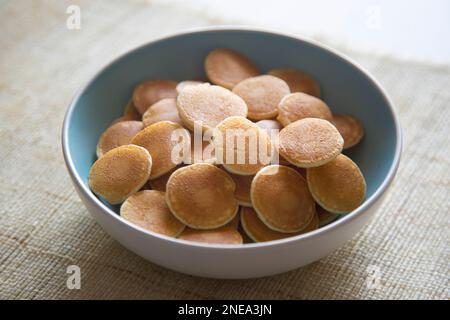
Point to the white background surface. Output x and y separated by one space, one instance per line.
416 30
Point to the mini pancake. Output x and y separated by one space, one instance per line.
148 209
227 68
262 94
222 235
296 106
160 183
242 192
298 81
117 135
227 234
208 105
150 91
160 140
163 110
130 114
259 232
183 84
325 217
338 186
243 155
350 129
282 200
310 142
120 172
202 196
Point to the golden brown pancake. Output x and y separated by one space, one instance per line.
227 234
259 232
350 129
298 81
208 105
338 186
296 106
227 68
163 110
159 140
241 146
262 94
148 209
120 172
310 142
202 196
221 235
281 198
160 183
242 192
325 217
150 91
117 135
183 84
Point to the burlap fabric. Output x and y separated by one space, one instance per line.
44 227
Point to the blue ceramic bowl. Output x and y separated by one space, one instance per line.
346 88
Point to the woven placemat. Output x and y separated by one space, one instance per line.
44 227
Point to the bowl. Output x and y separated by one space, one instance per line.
346 87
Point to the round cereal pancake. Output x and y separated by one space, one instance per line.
227 68
350 129
244 155
208 105
310 142
202 196
160 183
262 94
222 235
296 106
325 217
259 232
338 186
160 139
120 172
298 81
281 198
163 110
150 91
184 84
148 210
117 135
242 192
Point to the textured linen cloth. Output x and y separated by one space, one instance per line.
44 227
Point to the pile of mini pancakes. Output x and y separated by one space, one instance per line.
200 195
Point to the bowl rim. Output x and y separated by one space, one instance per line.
339 223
